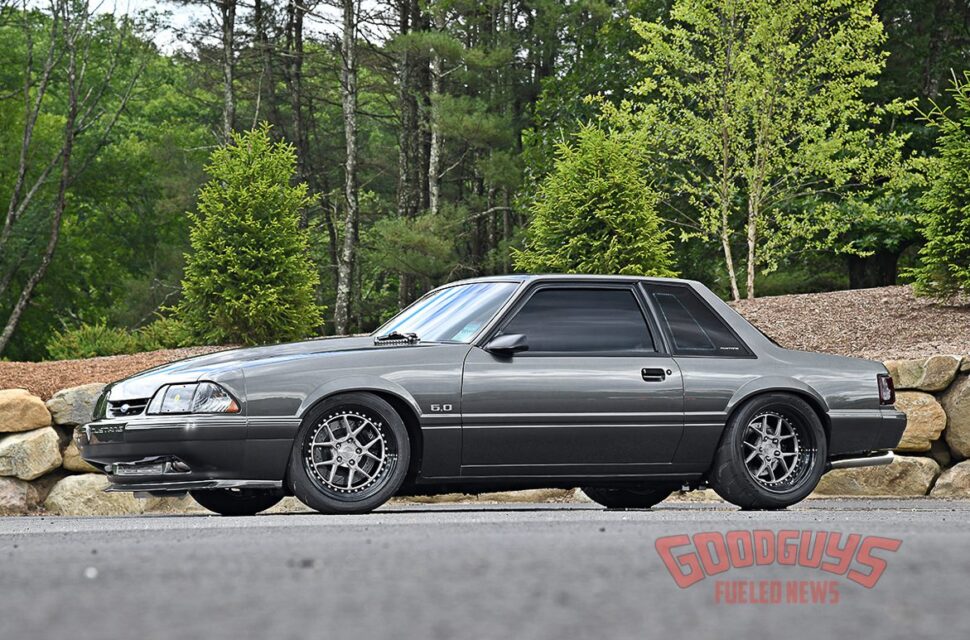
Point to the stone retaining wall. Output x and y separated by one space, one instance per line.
932 457
40 470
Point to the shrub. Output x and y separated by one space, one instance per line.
89 341
248 278
944 268
164 333
596 213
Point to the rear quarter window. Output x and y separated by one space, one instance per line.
693 327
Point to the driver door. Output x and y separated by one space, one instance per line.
593 395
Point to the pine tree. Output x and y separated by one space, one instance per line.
248 279
596 213
944 268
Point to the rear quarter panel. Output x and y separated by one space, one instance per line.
843 390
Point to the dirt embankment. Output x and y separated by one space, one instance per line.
45 378
881 324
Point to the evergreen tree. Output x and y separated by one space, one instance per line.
945 258
248 279
595 213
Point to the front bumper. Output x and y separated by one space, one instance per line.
179 453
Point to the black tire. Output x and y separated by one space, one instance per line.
236 502
640 498
360 482
772 454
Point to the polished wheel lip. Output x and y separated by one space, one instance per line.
776 451
347 452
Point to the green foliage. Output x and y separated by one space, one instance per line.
248 279
98 339
164 333
120 252
758 110
603 37
595 213
89 341
944 268
419 246
514 82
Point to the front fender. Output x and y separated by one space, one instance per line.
357 383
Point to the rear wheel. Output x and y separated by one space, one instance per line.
773 453
350 456
641 498
236 502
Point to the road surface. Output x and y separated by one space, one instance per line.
469 571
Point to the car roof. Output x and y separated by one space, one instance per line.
568 277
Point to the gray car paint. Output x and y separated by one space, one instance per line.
592 416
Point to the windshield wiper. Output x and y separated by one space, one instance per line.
398 337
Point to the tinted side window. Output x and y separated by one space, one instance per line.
582 320
693 327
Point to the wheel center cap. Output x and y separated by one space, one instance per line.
348 451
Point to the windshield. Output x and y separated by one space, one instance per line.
454 314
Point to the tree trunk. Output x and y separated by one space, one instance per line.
727 157
227 9
729 259
60 202
348 94
267 85
752 249
33 98
409 184
437 140
295 12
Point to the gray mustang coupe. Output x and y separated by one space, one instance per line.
628 387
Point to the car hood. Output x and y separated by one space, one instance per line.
209 366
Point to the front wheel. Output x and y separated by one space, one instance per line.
236 502
350 455
641 498
772 455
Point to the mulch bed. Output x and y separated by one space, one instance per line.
880 324
46 378
883 323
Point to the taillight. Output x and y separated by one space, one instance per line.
887 392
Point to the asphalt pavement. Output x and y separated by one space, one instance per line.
491 571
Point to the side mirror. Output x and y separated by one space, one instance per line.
507 345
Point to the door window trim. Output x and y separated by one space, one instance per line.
659 342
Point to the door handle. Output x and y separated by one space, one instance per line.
654 375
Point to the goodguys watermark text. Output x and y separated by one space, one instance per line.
856 557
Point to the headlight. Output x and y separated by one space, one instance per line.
200 397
